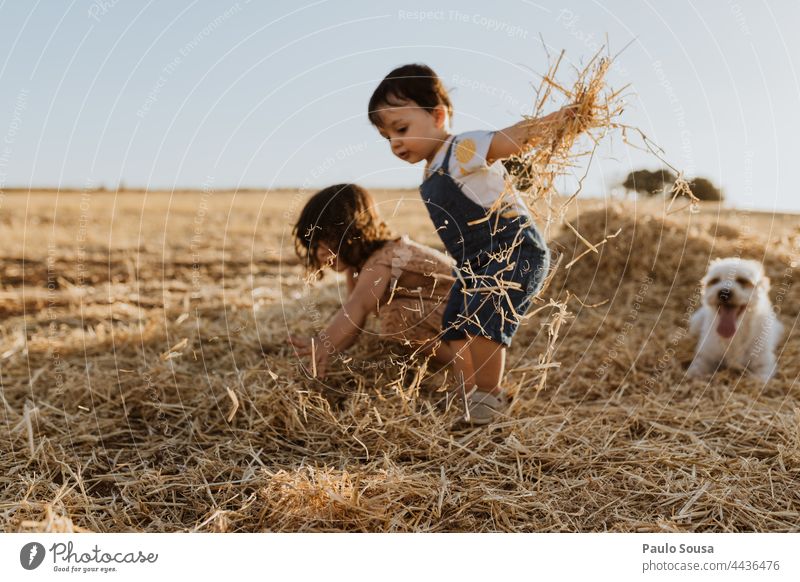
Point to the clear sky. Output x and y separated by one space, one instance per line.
268 94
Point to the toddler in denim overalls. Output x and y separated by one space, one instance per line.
501 259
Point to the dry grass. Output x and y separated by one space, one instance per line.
147 384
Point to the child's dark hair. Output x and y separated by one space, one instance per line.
343 217
417 83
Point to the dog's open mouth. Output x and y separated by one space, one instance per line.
728 318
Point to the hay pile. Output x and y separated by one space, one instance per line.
116 418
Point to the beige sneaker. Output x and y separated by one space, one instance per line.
483 407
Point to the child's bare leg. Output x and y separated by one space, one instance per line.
440 352
462 363
481 360
488 361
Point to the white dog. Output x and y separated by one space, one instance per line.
736 324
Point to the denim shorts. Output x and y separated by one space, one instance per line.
481 301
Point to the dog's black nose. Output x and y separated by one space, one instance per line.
724 295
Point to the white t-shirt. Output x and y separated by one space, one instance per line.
482 183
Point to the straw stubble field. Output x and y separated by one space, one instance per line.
147 384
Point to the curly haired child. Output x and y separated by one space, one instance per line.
403 283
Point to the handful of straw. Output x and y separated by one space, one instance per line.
595 110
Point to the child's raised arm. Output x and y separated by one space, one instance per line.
346 325
526 134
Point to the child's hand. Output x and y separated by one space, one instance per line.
303 347
322 357
561 117
531 132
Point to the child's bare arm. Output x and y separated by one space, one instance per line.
346 325
526 134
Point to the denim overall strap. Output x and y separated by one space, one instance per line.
465 227
446 163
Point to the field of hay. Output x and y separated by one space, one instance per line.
147 385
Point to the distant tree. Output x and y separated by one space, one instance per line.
705 190
647 182
659 181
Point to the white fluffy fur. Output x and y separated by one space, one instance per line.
757 329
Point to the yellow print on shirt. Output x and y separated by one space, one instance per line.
465 150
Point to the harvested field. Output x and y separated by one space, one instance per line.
147 384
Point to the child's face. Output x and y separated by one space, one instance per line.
414 133
327 258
